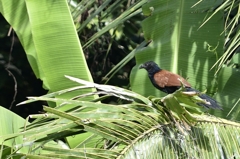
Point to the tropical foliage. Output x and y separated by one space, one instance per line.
182 36
143 128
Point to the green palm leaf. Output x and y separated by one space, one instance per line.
170 127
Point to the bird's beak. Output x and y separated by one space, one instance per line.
141 66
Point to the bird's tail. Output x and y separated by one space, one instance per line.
210 102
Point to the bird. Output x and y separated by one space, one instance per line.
169 82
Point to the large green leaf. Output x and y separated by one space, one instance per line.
228 92
16 15
58 48
10 124
48 35
178 44
11 139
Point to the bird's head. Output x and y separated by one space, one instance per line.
150 66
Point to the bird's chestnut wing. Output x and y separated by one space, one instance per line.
167 79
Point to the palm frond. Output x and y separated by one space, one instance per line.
169 127
231 31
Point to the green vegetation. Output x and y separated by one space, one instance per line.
70 44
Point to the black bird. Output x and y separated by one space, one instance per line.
169 82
